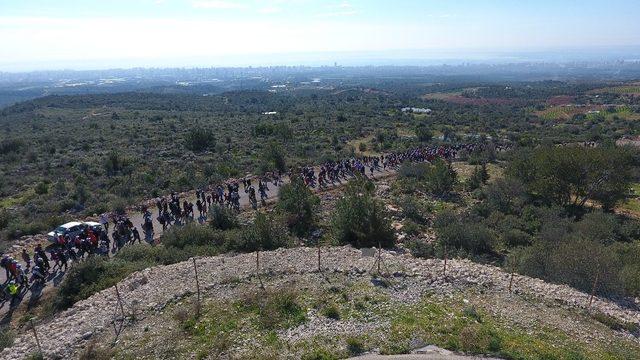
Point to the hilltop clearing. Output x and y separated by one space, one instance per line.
344 310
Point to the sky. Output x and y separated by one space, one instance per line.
54 34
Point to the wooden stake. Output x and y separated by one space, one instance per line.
595 286
445 261
511 282
35 334
319 265
120 302
258 268
379 256
195 270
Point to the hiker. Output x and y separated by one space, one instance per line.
37 275
56 260
136 236
104 220
13 291
4 263
26 258
62 258
21 277
252 198
42 256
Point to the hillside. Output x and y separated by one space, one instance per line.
342 311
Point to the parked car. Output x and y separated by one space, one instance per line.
72 229
95 226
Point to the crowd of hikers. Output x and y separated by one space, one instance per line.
171 210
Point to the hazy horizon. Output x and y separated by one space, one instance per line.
352 59
53 35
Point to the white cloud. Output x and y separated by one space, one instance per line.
217 4
338 10
338 13
345 5
270 10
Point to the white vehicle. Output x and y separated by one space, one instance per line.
93 225
72 229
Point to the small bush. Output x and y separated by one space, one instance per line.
474 339
299 205
360 219
355 346
478 178
199 139
331 311
615 324
7 337
438 178
471 237
319 354
274 157
191 234
88 277
222 218
12 146
267 232
276 308
420 248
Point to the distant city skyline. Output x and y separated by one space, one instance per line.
93 34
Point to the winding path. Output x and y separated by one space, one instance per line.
137 218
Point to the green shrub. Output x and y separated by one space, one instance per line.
573 175
274 157
268 232
514 238
299 205
115 163
467 235
424 134
573 261
615 324
331 311
411 228
437 178
222 218
191 234
414 210
42 188
12 146
276 308
88 277
505 195
474 339
7 337
420 248
479 177
355 346
319 354
199 140
360 219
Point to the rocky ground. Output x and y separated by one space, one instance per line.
152 300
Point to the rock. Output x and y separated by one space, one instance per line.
87 335
433 350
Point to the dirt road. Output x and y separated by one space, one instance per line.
31 297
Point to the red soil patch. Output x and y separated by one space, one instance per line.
461 100
560 100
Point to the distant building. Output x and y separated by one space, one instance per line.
417 110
